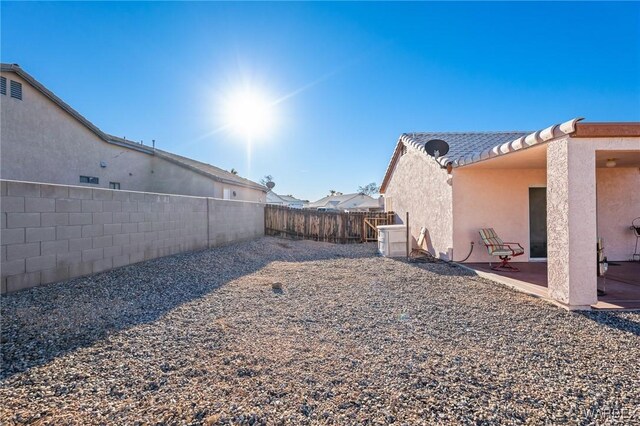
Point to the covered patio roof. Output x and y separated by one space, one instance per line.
470 148
536 158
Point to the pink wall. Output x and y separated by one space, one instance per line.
498 198
618 192
571 214
492 198
419 186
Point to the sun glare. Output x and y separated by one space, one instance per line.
249 114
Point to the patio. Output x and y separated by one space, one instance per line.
621 284
558 198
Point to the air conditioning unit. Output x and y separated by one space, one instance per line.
392 240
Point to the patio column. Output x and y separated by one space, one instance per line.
571 223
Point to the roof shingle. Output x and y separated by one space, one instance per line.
470 147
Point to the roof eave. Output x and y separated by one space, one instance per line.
131 145
15 68
391 166
539 137
607 130
217 178
568 128
113 139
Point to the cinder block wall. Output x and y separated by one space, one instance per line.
55 232
231 221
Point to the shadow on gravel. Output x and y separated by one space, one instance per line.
438 267
41 324
611 319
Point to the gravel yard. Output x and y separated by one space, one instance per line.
202 338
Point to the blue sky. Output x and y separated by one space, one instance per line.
360 74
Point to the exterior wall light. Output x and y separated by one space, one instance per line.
449 168
611 162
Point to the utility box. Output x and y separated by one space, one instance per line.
392 240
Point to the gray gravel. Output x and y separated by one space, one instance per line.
349 338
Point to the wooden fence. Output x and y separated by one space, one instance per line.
333 227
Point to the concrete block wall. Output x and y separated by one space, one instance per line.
51 233
231 221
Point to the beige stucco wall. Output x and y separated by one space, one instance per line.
571 223
170 178
454 207
571 216
492 198
618 192
55 232
40 142
419 186
499 198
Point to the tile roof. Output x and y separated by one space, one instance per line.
291 199
332 199
470 147
338 201
463 144
208 170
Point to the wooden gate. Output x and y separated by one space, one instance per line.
334 227
370 231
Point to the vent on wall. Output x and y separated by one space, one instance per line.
16 90
3 85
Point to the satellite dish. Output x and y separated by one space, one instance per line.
271 184
436 148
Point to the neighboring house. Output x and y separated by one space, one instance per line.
555 191
347 202
285 200
43 139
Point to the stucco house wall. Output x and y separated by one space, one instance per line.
173 179
492 198
618 203
499 198
585 199
41 142
572 215
420 186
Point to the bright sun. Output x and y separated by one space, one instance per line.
249 113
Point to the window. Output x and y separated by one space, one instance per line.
16 90
3 85
226 194
114 185
89 179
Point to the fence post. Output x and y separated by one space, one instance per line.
408 233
